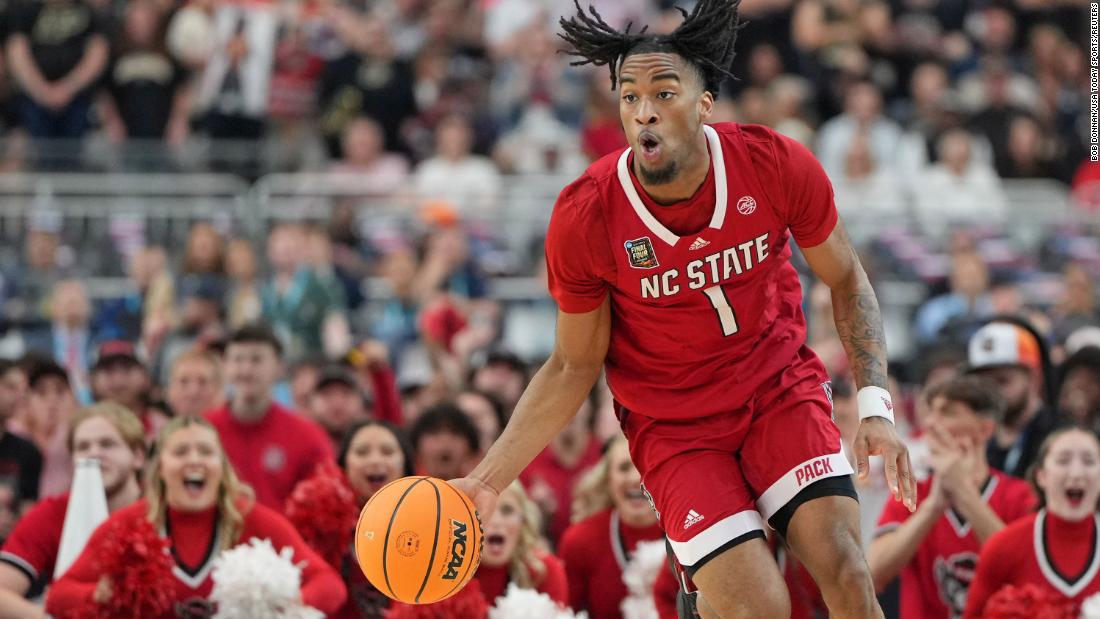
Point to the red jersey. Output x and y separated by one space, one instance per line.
273 454
494 580
595 551
1060 556
194 548
33 544
706 305
935 582
546 469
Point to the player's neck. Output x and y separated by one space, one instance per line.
692 175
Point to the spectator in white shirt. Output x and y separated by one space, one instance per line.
471 182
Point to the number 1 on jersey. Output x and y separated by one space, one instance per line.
721 305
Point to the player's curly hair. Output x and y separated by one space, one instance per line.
705 39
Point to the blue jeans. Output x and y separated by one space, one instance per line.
70 122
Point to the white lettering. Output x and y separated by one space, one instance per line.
761 248
713 260
746 251
650 288
698 279
730 262
666 285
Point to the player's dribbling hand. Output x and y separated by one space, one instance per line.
878 437
483 495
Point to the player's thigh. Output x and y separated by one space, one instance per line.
792 442
743 581
694 481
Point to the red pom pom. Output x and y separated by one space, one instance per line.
468 603
136 560
1029 602
324 510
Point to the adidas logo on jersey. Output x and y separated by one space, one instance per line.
693 517
698 243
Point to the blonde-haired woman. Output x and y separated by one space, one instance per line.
197 504
514 551
611 517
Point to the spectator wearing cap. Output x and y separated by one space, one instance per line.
20 460
1079 387
366 389
195 384
45 422
271 447
445 441
1011 356
120 376
504 375
338 402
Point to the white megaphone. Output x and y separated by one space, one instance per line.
87 509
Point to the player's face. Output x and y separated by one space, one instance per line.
191 467
1070 475
661 105
626 487
374 459
98 438
958 420
503 529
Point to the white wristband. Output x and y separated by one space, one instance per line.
874 402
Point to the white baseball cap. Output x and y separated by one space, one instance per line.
1003 344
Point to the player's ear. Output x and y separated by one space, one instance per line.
706 106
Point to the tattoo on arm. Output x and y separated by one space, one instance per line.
859 325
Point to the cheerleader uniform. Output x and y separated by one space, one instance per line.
194 542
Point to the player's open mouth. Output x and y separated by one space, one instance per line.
650 145
1075 496
635 495
376 479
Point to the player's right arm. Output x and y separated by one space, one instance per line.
579 265
549 403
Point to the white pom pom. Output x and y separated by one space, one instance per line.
639 575
517 603
1090 608
252 581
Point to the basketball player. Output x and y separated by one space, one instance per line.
670 265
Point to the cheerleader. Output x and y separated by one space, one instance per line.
1053 552
196 507
372 454
514 551
612 516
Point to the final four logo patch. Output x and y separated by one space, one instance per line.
640 253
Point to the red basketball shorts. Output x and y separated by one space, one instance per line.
713 480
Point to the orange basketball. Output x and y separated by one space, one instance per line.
418 540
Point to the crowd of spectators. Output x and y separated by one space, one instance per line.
939 101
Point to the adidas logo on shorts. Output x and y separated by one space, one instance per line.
692 518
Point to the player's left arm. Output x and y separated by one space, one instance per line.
859 326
